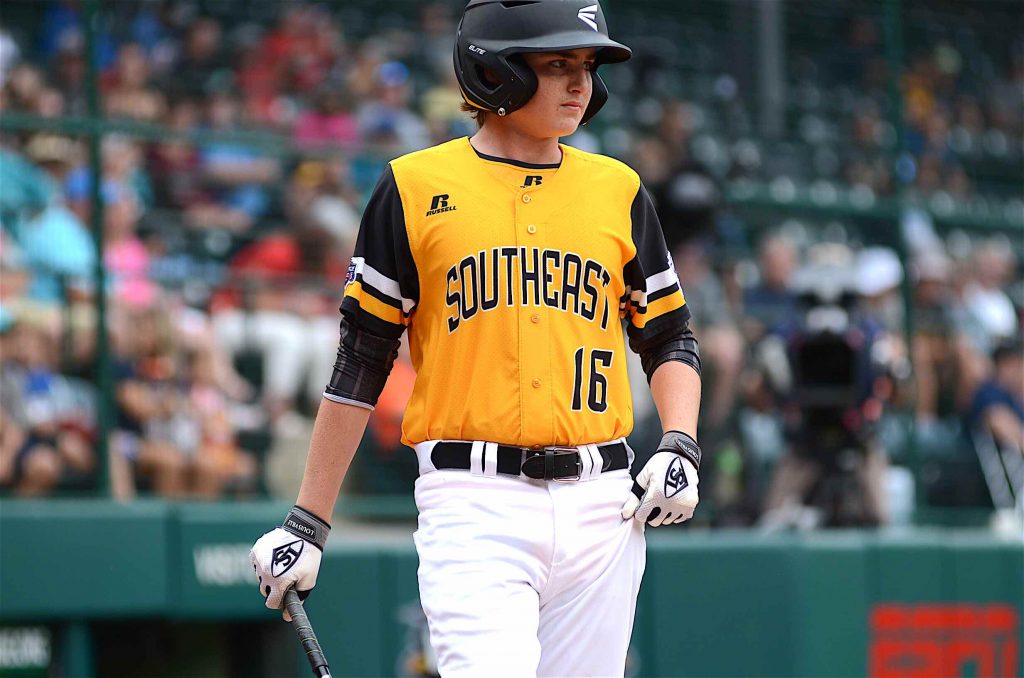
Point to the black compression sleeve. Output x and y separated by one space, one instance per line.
679 345
363 365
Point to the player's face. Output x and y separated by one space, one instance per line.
564 86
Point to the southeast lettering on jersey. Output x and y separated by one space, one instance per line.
526 276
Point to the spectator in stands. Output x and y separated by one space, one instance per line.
28 466
10 54
202 58
329 122
41 403
54 154
56 246
15 277
770 303
175 432
442 110
988 312
173 164
722 344
302 48
436 29
125 256
280 302
143 369
128 93
940 354
121 171
386 119
879 275
24 86
768 307
69 75
238 175
220 465
256 78
998 404
321 195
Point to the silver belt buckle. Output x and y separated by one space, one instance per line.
579 463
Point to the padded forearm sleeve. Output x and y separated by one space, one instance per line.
679 345
362 368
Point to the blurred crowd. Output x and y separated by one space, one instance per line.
227 237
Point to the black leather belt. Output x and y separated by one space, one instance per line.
551 463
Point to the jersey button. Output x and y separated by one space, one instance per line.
531 229
527 198
536 383
535 318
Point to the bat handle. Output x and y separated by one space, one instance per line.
300 622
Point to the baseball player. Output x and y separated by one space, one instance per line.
512 261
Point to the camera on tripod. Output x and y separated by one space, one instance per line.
829 358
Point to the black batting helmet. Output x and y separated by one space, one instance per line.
493 34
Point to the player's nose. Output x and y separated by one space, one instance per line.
580 82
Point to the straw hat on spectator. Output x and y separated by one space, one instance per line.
45 148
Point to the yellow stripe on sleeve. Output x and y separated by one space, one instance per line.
375 306
659 308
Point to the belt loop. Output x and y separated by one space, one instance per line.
586 463
490 459
596 461
630 455
476 458
423 452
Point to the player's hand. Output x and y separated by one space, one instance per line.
665 491
289 556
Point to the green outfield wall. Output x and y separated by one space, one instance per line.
712 604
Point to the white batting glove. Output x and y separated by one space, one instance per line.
289 556
665 490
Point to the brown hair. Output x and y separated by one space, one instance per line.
477 114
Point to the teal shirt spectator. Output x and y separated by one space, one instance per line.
56 245
53 240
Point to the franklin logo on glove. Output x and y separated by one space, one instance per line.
285 556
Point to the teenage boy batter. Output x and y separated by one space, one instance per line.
510 259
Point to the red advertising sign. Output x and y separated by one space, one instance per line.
940 640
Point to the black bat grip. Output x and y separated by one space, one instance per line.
300 622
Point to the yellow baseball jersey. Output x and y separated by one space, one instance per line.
512 280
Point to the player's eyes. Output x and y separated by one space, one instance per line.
589 65
558 63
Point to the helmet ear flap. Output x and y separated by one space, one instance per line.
517 66
494 82
598 97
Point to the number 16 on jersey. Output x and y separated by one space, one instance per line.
596 384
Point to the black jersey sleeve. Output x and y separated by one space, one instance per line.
382 287
653 303
381 293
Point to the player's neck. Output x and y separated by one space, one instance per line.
505 141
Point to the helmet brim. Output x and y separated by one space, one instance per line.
609 51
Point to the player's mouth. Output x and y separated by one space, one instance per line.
575 105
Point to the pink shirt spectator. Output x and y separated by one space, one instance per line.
314 128
128 262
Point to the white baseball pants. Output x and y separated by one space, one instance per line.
527 578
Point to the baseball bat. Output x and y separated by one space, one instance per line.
300 622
